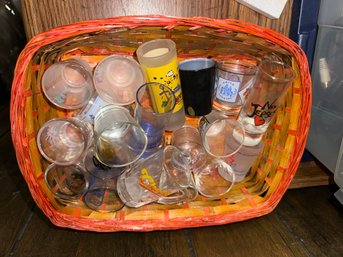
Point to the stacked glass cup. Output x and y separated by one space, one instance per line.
112 151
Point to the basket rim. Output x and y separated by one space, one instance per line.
17 109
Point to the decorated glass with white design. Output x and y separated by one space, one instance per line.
233 80
63 141
272 81
163 177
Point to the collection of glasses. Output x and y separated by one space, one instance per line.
112 152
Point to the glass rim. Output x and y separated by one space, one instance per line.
217 121
62 196
213 63
105 62
173 147
133 124
138 103
40 149
251 69
113 107
114 175
228 169
276 79
89 81
185 126
85 73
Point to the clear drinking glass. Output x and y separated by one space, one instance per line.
158 59
218 136
164 177
117 78
102 194
153 114
188 140
64 140
233 80
243 159
68 84
215 178
272 81
66 182
119 140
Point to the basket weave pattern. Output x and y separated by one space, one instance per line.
270 176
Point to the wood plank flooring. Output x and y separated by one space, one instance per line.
307 222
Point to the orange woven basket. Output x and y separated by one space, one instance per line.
270 176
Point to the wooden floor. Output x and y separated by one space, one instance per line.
307 222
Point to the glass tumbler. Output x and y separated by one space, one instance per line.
66 182
153 114
117 78
233 80
163 177
272 81
197 81
158 59
188 140
215 178
68 84
64 140
119 140
218 137
102 194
